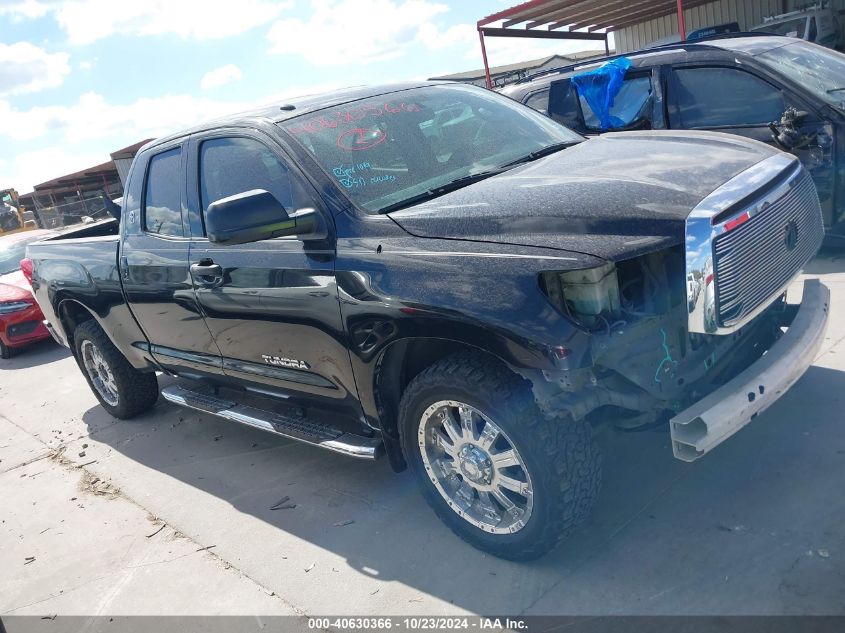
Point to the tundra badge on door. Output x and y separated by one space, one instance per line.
285 362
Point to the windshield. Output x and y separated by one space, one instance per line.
391 148
820 70
13 252
789 28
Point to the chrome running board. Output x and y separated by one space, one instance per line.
292 427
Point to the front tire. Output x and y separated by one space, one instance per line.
6 352
122 390
504 477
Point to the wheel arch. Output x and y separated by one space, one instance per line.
71 314
396 366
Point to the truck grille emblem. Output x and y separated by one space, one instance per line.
790 235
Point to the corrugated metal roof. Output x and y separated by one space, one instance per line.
592 15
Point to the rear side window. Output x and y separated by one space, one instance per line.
715 97
629 105
539 101
229 166
163 197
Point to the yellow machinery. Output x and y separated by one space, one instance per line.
11 213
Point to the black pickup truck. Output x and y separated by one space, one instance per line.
439 274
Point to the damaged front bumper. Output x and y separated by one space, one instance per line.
710 421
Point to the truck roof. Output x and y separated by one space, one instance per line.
290 108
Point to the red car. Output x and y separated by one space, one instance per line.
21 321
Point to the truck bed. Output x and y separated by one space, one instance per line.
102 228
75 276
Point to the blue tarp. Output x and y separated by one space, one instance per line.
599 88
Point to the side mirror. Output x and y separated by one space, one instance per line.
256 215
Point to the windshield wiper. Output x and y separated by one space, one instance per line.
440 190
832 90
551 149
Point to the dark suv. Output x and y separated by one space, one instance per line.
785 92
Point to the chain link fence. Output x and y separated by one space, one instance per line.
69 213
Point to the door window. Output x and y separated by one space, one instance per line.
716 97
563 105
163 198
629 105
230 166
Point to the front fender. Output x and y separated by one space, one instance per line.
484 296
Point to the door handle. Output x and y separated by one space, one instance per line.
207 273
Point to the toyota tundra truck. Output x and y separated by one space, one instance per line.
438 274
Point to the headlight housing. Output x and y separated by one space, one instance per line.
587 296
14 306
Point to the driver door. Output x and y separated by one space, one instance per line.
271 305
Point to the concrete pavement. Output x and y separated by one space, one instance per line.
756 527
74 545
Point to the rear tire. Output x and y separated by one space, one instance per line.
122 390
516 497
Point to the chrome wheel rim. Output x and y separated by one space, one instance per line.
475 467
99 372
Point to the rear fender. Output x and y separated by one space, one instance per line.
117 323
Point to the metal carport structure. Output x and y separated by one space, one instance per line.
577 19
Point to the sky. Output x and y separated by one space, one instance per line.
82 78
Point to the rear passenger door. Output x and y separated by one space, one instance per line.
154 264
272 306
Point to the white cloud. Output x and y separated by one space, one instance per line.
25 67
92 117
86 21
220 76
37 166
457 35
339 32
28 9
92 123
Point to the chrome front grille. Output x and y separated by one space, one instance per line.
754 259
740 256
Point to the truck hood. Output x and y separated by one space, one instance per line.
615 196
